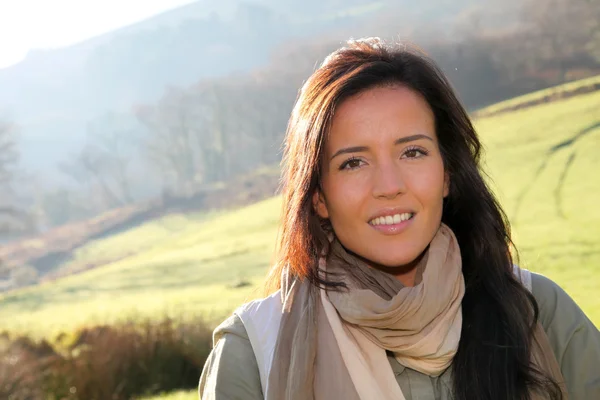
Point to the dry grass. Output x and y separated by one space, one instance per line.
105 362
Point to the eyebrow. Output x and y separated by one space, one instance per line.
357 149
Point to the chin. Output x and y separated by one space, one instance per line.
396 263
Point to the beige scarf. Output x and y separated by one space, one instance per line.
332 345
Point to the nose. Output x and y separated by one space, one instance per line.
388 181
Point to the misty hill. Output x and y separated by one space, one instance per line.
53 94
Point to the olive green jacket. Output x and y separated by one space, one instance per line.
231 371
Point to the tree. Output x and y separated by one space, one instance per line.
59 205
101 167
561 32
111 138
87 168
12 219
170 144
8 151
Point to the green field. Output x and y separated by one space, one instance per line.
545 166
189 266
544 163
180 395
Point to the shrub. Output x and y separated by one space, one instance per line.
107 362
22 363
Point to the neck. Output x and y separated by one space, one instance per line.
408 279
407 274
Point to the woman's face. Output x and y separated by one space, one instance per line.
383 180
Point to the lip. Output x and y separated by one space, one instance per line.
393 229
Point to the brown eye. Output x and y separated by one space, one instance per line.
352 163
414 153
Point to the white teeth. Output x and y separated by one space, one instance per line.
391 219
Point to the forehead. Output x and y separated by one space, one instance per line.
382 113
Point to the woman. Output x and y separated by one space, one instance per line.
394 277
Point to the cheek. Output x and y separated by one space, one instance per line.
345 199
428 184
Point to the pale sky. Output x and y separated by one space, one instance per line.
43 24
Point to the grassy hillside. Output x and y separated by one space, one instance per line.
544 165
180 395
184 264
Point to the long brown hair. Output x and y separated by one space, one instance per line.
499 314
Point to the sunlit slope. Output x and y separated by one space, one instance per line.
545 164
192 264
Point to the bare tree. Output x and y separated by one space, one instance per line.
561 31
214 105
111 140
8 151
242 122
101 167
86 168
12 219
170 143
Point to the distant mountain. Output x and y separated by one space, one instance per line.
53 94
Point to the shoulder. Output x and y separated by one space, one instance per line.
573 337
249 316
230 371
239 363
548 295
262 315
233 327
555 305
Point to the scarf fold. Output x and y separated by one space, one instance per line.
332 344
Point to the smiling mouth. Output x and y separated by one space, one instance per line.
391 219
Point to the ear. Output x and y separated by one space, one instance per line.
446 184
320 205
